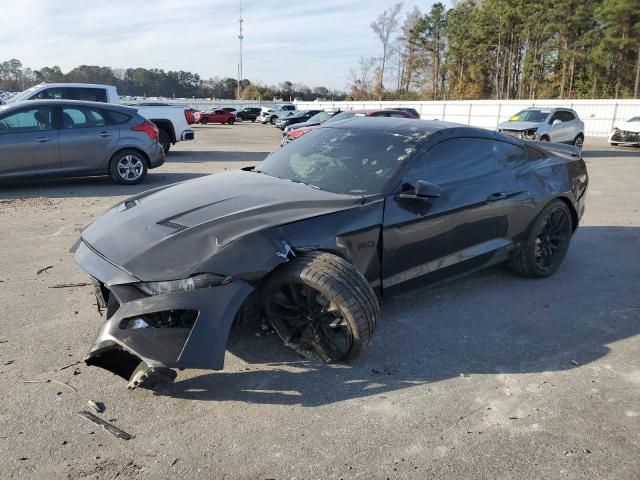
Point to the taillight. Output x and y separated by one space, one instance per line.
188 115
149 128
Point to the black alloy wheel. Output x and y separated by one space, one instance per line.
546 244
305 315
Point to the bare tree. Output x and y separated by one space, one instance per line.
361 78
384 27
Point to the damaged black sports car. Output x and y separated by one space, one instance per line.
309 240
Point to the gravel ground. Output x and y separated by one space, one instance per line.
491 376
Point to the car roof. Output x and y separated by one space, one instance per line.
79 103
397 126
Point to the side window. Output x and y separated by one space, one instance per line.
89 94
48 94
80 117
118 118
455 160
288 107
508 154
535 154
219 112
397 115
566 116
28 120
555 116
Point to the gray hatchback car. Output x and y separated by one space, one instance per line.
65 138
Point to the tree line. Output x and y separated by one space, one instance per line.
504 49
142 82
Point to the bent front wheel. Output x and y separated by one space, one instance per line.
321 307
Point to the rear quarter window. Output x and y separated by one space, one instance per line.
118 118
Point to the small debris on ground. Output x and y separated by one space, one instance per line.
97 406
42 270
69 366
49 381
113 430
70 285
575 362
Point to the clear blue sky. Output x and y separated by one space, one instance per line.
313 42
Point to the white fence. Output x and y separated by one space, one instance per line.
599 116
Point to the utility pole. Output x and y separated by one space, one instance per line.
240 37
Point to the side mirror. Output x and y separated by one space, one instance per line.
557 121
423 191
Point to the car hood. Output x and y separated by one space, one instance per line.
518 125
168 232
628 126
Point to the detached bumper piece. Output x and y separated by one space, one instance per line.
147 335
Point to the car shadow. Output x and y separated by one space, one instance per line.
89 186
613 152
489 323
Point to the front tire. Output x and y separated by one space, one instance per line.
204 121
547 242
128 167
273 119
579 141
231 121
321 306
165 141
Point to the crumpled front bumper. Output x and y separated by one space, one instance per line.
124 340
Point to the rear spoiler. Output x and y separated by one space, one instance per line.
561 148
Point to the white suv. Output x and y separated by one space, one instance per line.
559 125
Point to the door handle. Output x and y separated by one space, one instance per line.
497 196
105 134
43 139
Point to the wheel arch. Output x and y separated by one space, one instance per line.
572 209
137 149
167 126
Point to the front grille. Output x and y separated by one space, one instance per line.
173 225
513 133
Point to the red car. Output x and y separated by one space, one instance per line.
298 132
216 116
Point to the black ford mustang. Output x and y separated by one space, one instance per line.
310 239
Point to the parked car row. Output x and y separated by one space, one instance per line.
296 130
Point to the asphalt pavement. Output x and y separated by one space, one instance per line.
491 376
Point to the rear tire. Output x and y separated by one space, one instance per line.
544 138
613 144
231 121
273 119
128 167
239 117
165 141
321 306
204 121
546 244
253 120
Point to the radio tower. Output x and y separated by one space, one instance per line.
240 37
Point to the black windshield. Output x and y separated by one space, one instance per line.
341 160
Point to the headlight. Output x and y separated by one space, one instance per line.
202 280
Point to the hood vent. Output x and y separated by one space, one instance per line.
178 227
